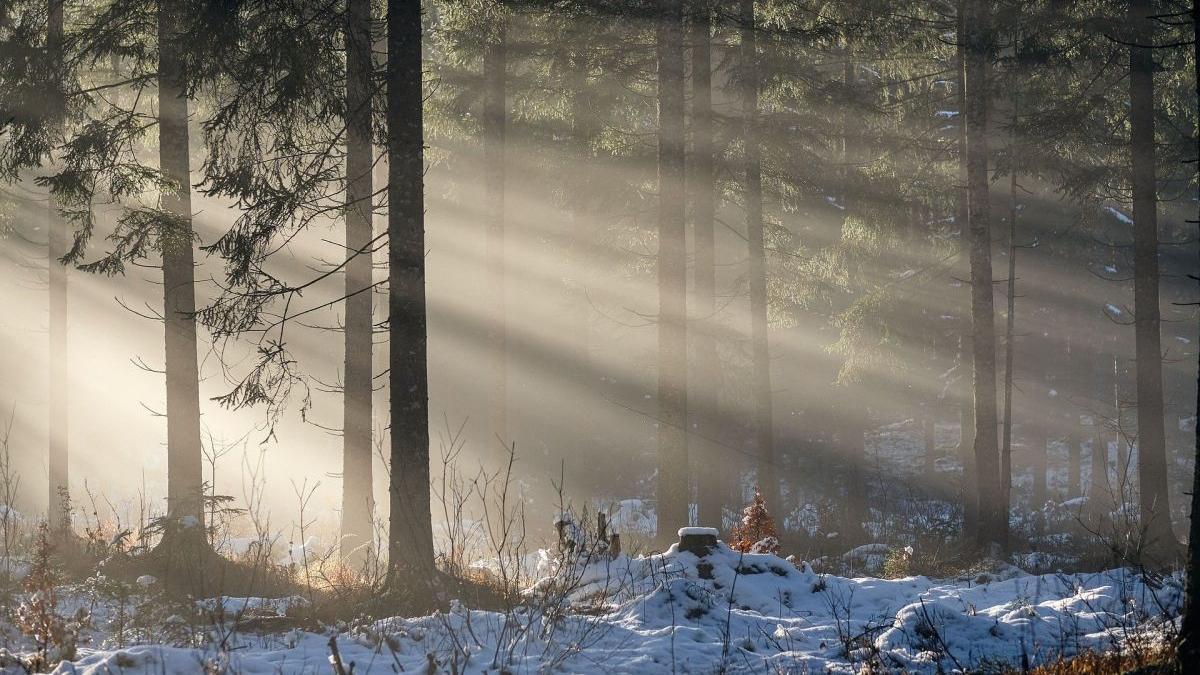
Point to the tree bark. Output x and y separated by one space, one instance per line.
1009 334
853 443
1189 632
495 124
410 537
764 440
673 493
993 525
1037 449
1124 479
929 435
966 408
59 515
706 367
1099 488
1072 363
1152 460
357 495
185 475
1074 459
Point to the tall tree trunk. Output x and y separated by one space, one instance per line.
1099 493
495 123
578 238
58 245
966 407
357 494
1037 449
1152 456
993 525
1123 477
1189 649
761 367
853 443
705 378
1009 334
929 434
673 493
1074 456
185 474
410 539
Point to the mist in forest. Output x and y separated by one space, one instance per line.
851 318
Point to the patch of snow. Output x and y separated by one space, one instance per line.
1119 215
230 607
678 613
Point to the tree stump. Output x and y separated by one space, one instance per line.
699 541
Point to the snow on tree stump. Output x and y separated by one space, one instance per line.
699 541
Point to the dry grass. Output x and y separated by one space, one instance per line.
1145 662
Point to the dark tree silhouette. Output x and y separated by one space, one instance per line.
58 245
185 475
1151 438
673 492
357 481
761 423
495 124
410 538
704 378
1189 631
993 525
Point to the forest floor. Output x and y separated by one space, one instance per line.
669 613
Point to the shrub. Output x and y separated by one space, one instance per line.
55 636
756 531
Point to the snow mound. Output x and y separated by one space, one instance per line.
681 613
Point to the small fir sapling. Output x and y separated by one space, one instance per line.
755 533
55 636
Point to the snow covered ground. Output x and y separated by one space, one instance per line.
679 613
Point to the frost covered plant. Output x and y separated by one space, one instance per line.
9 518
755 533
54 636
899 563
137 611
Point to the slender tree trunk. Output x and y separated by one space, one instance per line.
578 239
761 367
1074 457
357 495
410 540
992 526
1009 335
1099 489
1189 649
706 367
854 445
495 124
185 474
1037 448
929 434
58 245
852 410
966 408
673 493
1123 477
1152 456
